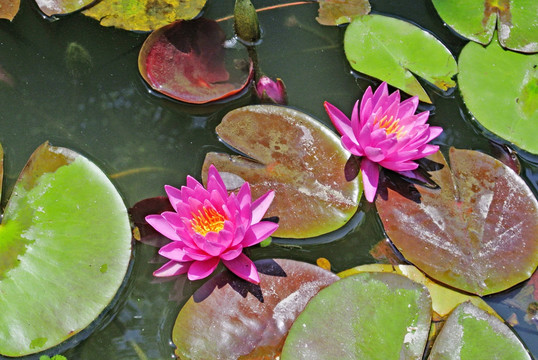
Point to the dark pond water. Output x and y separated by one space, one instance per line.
143 141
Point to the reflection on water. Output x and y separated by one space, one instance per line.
76 84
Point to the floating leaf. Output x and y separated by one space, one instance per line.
296 156
444 299
364 316
9 8
500 88
471 333
143 15
393 50
337 12
229 318
187 61
477 232
59 7
63 224
476 20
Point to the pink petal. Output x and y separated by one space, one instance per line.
370 178
366 109
374 154
407 107
174 195
352 146
172 268
243 267
192 182
339 119
174 251
202 269
213 178
260 205
259 232
173 219
435 131
380 95
161 225
399 165
232 253
244 199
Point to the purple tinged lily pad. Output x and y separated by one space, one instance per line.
298 158
229 318
477 232
187 61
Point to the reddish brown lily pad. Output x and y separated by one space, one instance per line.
478 232
298 158
337 12
187 61
9 8
229 318
58 7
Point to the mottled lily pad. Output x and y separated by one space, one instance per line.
500 88
65 245
9 8
471 333
444 299
364 316
393 50
143 15
297 157
187 61
515 21
477 232
229 318
337 12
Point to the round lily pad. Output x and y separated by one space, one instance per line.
477 232
65 246
230 318
471 333
500 88
297 157
364 316
393 50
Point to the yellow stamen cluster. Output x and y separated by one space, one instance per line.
391 126
208 219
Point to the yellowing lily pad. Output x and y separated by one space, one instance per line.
364 316
229 318
515 21
471 333
65 245
392 50
444 299
500 88
297 157
477 232
143 15
9 8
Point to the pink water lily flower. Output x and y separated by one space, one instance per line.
271 91
208 226
384 132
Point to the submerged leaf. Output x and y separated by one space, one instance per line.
64 224
229 318
337 12
471 333
143 15
515 21
500 88
392 50
477 232
364 316
298 158
187 61
9 8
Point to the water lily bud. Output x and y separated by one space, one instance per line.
246 25
270 91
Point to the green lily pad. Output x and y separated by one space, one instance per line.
500 88
476 232
9 8
143 15
337 12
229 318
64 224
364 316
297 157
471 333
476 20
392 50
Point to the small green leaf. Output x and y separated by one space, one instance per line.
500 88
392 50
